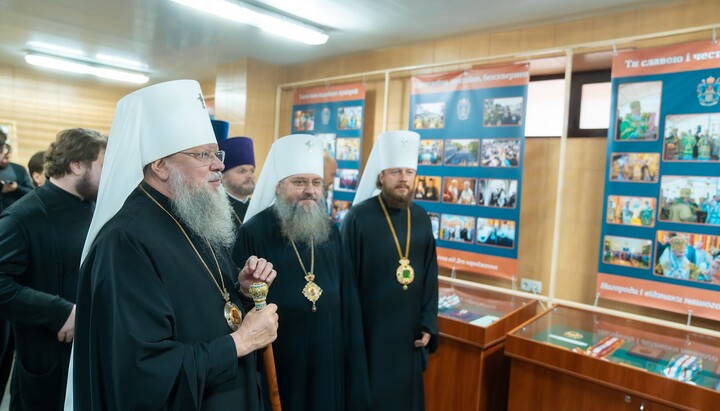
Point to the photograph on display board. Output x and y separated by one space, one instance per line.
346 179
429 115
496 233
463 153
427 188
638 111
458 228
497 193
693 200
502 152
340 208
328 140
691 137
304 120
435 224
350 118
459 190
430 153
635 167
638 211
348 149
686 256
505 111
627 252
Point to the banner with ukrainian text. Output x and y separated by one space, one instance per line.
660 236
472 128
335 113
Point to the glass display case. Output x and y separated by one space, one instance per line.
640 365
469 370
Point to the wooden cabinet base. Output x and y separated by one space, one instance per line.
537 388
465 377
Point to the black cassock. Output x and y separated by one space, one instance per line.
319 356
240 209
150 331
393 318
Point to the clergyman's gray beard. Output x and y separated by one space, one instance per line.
301 225
207 212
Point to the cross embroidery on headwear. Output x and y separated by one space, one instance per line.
309 145
201 99
404 141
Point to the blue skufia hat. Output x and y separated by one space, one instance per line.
238 152
221 129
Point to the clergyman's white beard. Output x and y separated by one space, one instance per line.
301 225
206 211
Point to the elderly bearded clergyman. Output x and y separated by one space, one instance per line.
319 352
160 324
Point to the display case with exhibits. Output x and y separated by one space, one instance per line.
469 370
490 314
631 361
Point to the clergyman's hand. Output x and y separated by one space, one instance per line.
255 270
423 342
258 329
67 332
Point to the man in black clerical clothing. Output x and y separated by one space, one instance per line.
239 175
319 352
160 324
41 238
390 243
14 180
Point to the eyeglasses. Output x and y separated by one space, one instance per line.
206 157
303 183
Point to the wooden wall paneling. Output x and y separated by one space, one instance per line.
572 32
474 46
537 38
43 103
446 50
615 26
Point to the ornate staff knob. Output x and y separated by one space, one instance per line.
259 292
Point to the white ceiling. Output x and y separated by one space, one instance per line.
175 41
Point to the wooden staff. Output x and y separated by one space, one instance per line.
259 292
269 359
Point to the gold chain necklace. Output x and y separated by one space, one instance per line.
311 291
237 217
404 274
233 315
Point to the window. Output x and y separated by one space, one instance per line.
545 107
590 100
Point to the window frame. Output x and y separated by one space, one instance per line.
578 80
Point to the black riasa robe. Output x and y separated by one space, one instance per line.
319 356
41 239
239 208
150 332
392 318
